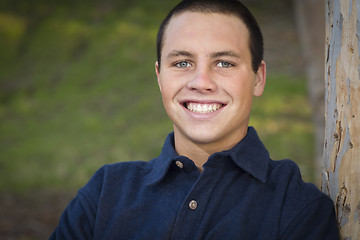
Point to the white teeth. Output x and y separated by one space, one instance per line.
203 108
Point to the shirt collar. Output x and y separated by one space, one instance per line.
249 154
162 163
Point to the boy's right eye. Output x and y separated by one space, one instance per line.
182 64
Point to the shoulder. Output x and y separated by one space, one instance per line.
303 204
284 167
285 176
122 169
113 177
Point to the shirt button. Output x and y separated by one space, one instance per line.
193 205
179 164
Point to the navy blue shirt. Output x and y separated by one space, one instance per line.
241 194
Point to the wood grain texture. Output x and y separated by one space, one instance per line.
341 172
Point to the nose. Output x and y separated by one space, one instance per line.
202 81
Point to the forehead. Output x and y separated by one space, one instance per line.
199 30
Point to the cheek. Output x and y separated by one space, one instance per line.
240 88
167 91
164 94
170 86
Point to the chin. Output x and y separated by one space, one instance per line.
204 137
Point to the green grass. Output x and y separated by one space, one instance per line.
78 90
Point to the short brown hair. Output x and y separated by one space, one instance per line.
233 7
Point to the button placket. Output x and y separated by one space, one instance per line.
196 201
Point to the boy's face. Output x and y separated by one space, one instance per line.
206 79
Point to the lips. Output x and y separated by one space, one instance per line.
202 107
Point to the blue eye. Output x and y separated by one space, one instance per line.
182 64
224 64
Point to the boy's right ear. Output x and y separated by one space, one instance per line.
157 70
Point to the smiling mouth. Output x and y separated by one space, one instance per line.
203 107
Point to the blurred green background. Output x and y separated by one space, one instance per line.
78 90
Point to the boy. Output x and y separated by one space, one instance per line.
214 178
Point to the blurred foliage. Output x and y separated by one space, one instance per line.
78 90
282 117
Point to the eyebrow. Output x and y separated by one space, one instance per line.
178 53
224 54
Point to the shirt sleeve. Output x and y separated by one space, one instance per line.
316 221
78 219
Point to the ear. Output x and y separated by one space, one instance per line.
260 80
157 71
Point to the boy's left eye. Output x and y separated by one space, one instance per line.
224 64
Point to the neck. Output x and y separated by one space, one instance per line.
196 153
199 153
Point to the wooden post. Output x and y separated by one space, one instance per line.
341 172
